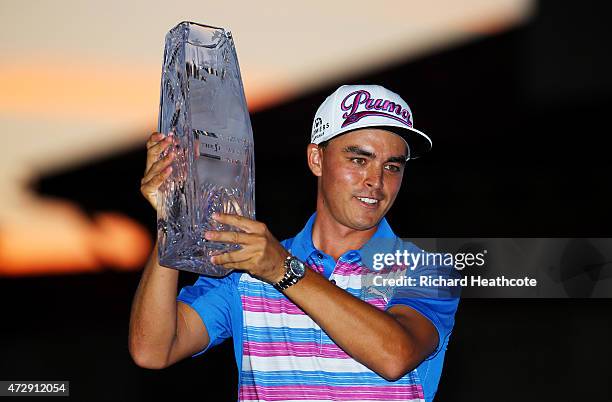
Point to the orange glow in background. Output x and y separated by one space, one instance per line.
80 80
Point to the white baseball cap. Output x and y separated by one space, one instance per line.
359 106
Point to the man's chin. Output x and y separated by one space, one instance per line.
365 223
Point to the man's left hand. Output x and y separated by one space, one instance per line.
261 254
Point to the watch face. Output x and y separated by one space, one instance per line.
297 267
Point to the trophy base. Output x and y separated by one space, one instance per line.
195 256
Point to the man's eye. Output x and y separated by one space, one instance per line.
358 161
393 168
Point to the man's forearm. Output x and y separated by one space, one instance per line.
153 316
370 336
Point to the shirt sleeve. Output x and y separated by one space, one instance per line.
438 303
213 299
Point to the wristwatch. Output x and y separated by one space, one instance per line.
294 271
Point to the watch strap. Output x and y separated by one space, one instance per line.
289 279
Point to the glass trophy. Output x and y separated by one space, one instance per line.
203 104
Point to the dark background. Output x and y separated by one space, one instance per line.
520 127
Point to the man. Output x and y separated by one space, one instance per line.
307 321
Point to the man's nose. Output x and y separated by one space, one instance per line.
374 178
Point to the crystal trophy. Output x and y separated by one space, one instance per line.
203 104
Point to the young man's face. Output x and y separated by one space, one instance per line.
361 173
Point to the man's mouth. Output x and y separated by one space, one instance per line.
368 201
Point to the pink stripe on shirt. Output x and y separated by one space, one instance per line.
258 304
336 393
299 349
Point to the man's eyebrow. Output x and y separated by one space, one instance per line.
397 159
354 149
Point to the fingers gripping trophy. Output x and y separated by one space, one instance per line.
200 161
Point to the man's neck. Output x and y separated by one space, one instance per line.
335 239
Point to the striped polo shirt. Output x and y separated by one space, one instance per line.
283 355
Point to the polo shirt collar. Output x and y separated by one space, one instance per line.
303 246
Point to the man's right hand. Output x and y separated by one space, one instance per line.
157 170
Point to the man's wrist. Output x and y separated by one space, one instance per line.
280 270
294 272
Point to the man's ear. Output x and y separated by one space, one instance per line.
314 154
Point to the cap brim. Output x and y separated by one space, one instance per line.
418 142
